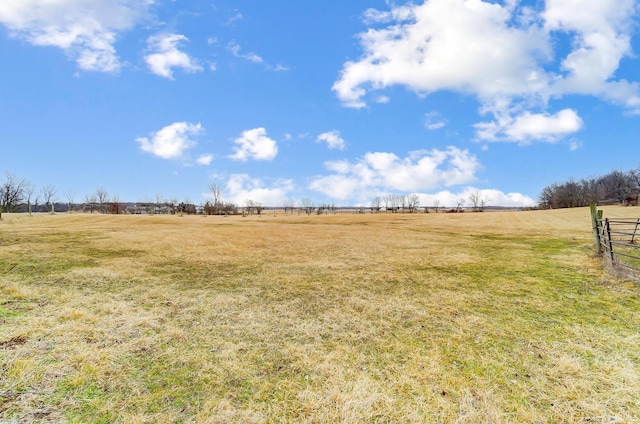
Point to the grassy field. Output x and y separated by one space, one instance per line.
501 317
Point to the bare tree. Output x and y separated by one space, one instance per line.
216 192
289 204
102 197
29 191
387 200
48 195
89 202
115 204
617 185
474 200
69 194
394 201
376 204
436 204
477 201
593 191
413 201
11 192
229 208
614 187
460 204
307 204
172 205
249 206
159 201
402 200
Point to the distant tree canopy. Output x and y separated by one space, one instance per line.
615 187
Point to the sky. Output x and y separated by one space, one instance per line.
335 102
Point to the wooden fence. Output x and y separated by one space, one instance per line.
618 240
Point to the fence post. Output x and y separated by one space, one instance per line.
608 228
634 231
595 214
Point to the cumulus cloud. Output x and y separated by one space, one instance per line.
165 55
492 197
254 144
601 36
241 187
85 30
503 54
531 126
332 138
382 171
445 45
172 141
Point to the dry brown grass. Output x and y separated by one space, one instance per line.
490 317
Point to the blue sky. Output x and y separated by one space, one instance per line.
337 102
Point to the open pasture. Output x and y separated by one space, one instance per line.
501 317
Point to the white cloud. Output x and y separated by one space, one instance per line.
85 30
172 141
332 138
601 32
165 55
531 126
503 54
493 197
254 144
461 45
234 48
204 159
241 187
380 171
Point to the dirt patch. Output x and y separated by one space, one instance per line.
14 341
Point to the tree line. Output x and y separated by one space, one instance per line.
20 195
616 187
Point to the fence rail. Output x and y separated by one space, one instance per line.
618 239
